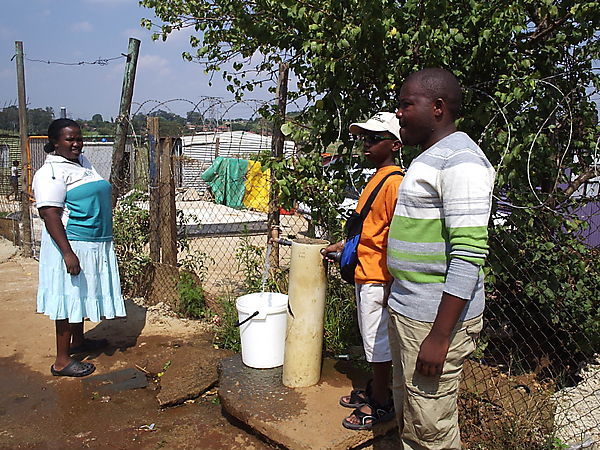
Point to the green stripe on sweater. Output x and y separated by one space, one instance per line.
418 277
472 260
469 238
417 230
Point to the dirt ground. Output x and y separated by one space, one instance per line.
39 411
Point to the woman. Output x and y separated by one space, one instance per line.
78 273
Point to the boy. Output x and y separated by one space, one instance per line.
381 139
436 249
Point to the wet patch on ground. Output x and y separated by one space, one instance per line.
39 412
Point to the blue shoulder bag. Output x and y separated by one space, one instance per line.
352 231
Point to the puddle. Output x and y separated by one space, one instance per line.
44 412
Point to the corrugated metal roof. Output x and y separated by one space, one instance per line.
200 150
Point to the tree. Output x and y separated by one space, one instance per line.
194 117
530 61
9 119
97 118
528 71
38 119
170 124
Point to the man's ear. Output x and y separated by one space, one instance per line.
439 107
397 146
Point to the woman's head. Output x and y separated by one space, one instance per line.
64 138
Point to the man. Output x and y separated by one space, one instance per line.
436 249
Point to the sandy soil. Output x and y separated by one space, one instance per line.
39 411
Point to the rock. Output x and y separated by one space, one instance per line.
193 371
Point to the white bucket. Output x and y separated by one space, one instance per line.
263 320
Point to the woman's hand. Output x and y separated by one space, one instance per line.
72 263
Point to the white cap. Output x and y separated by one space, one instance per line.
382 121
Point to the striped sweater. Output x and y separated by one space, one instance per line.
438 237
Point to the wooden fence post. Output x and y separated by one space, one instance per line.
25 171
277 145
168 225
154 197
117 176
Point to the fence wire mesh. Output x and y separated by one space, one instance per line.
200 207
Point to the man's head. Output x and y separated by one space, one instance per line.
381 137
430 101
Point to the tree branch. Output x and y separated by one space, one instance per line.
544 29
590 173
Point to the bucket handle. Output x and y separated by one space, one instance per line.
239 324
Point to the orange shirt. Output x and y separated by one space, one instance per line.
372 254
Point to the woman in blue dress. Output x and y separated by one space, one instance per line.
78 272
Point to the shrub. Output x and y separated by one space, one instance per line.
543 294
341 326
130 232
227 334
192 302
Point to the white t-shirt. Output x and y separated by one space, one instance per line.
82 193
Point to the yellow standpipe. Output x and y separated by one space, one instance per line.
306 297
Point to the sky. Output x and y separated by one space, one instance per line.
88 30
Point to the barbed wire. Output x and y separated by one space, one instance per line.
98 62
501 111
218 107
209 103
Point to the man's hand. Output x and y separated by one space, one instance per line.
332 248
434 348
72 263
432 355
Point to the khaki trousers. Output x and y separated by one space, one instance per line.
426 407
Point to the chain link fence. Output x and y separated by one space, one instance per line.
197 214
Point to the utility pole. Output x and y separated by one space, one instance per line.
117 176
25 163
277 144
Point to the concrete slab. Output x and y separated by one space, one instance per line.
193 371
301 418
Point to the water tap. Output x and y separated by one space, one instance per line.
282 241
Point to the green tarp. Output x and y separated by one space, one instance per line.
226 178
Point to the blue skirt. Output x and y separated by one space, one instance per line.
93 294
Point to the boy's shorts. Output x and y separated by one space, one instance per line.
373 317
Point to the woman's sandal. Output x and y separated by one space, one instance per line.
357 397
89 345
379 414
74 369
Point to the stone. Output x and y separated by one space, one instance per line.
193 371
307 418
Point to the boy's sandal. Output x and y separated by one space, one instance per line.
357 397
89 345
74 369
366 421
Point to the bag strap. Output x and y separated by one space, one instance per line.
367 206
